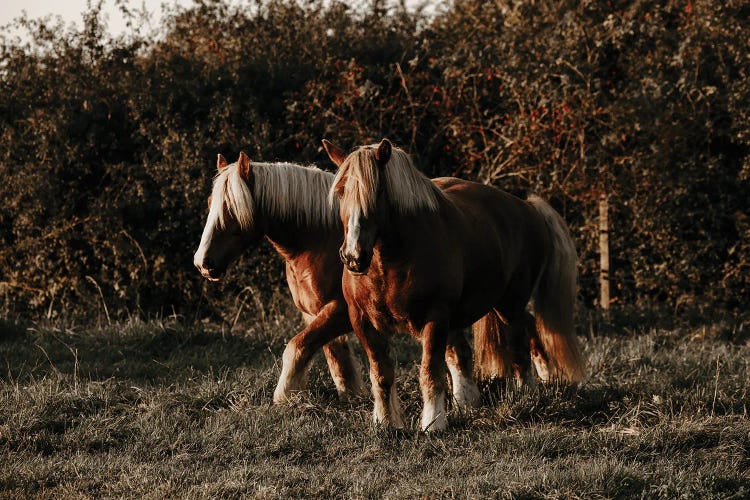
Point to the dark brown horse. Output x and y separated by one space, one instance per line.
432 257
288 205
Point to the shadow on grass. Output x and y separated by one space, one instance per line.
134 351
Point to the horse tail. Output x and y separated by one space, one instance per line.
555 302
494 350
490 347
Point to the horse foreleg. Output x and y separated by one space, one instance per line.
432 376
458 358
344 366
387 409
328 324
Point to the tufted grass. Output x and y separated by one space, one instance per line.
168 409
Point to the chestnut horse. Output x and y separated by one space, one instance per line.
432 257
288 205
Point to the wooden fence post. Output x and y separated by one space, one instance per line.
604 298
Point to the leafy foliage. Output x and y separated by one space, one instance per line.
107 144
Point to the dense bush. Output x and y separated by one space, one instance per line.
107 144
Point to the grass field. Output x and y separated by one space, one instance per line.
164 408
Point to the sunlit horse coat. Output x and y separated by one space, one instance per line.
287 204
432 257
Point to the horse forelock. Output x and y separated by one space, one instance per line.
356 182
358 178
231 191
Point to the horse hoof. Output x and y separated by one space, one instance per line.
468 397
437 424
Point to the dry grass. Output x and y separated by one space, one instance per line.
165 409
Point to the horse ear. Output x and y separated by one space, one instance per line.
221 162
244 165
335 153
383 153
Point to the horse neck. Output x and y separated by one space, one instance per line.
290 238
297 230
402 234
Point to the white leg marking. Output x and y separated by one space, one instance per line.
293 377
433 413
388 412
465 391
542 368
379 412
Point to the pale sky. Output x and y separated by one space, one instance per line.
71 10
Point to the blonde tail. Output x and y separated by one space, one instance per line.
491 354
555 302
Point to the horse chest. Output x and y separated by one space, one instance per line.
310 288
389 305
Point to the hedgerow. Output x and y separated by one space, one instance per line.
107 144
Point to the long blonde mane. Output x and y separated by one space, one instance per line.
358 178
281 190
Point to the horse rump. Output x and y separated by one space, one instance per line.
550 333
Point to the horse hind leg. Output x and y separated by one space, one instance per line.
344 367
458 358
502 347
492 357
539 356
519 343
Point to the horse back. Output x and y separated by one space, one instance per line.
504 240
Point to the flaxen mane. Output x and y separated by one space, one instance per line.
358 178
282 190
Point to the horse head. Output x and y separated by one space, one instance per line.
361 190
230 227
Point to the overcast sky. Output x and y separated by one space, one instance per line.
70 10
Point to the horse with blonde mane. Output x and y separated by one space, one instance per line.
287 204
432 257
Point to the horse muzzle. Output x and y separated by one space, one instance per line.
208 270
357 265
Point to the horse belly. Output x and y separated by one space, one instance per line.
472 308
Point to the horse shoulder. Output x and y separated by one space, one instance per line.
314 280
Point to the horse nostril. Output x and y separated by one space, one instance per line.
354 265
341 256
208 264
